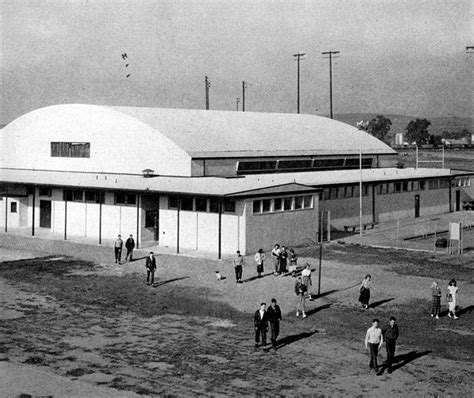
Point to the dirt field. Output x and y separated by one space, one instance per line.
99 324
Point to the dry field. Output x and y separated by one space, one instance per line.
190 335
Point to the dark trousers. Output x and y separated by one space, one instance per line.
390 344
374 351
129 255
150 275
238 273
118 254
261 331
275 331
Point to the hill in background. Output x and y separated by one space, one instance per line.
399 122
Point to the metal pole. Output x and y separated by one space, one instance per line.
6 208
319 270
329 226
207 85
138 220
330 53
244 86
65 217
298 57
33 213
177 226
442 157
219 234
416 156
100 216
360 185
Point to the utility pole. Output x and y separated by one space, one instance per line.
330 53
244 86
208 84
237 100
298 57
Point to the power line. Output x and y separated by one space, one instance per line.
330 53
298 57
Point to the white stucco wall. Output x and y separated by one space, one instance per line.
118 142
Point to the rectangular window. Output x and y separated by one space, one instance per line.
77 196
298 164
433 184
308 202
348 191
328 164
45 192
405 186
365 189
120 198
325 195
70 149
444 184
214 205
257 206
13 207
422 185
173 202
229 206
298 202
278 204
398 187
287 204
256 166
67 195
131 199
391 187
266 205
94 197
201 204
415 185
187 203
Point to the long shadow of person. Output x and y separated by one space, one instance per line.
252 278
156 284
287 340
317 309
377 303
401 360
324 294
463 311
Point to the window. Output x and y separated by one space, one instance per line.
444 184
328 164
308 202
398 187
229 206
67 195
256 166
70 149
365 190
433 184
201 204
94 197
325 195
422 185
122 198
151 218
298 202
13 207
257 206
415 185
278 204
298 164
391 187
334 193
187 203
73 195
405 186
173 202
45 192
287 204
266 205
348 191
214 205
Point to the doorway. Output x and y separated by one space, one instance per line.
45 213
417 206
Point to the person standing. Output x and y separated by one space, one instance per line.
259 259
238 267
118 245
150 269
451 298
373 341
261 325
283 261
364 290
390 335
306 274
300 291
293 259
435 300
276 257
274 318
129 245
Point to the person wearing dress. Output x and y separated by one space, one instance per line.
259 259
452 291
364 290
306 274
435 300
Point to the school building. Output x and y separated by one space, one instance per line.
212 181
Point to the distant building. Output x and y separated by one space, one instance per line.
213 181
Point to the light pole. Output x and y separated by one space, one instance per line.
362 126
330 53
298 57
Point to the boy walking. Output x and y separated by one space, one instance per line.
118 244
390 334
238 266
150 269
274 318
129 245
373 341
261 325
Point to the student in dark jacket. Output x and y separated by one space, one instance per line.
274 318
150 269
390 335
129 245
261 325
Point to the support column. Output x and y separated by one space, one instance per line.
101 199
65 217
219 234
33 213
6 208
138 220
177 226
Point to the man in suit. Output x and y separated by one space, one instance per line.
150 269
274 318
390 334
261 325
129 245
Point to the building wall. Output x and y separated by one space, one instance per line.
13 219
292 228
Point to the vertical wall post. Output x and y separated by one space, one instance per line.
6 208
219 235
33 213
138 219
101 199
177 225
65 217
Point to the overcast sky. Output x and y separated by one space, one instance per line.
407 57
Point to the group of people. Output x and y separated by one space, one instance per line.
264 317
118 246
284 261
451 297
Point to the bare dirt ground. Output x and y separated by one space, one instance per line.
99 325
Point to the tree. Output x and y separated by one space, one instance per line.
379 127
417 131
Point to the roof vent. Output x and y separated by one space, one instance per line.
147 173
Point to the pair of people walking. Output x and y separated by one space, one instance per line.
374 339
118 247
264 317
451 299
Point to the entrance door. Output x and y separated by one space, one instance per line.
45 213
458 200
417 206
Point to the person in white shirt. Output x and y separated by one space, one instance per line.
373 341
259 259
452 293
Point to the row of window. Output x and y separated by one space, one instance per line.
71 149
258 166
199 203
348 191
291 203
462 182
78 195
